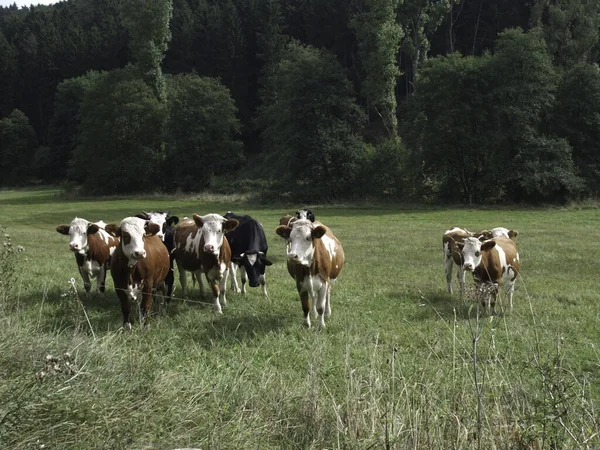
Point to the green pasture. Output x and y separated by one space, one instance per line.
401 363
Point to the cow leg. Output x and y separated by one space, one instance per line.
223 285
461 274
214 286
87 283
320 303
161 297
244 279
146 304
170 280
263 282
182 278
305 301
510 290
234 284
448 263
101 280
197 275
125 309
328 301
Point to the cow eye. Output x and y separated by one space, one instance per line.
477 254
308 238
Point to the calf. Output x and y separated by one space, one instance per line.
201 246
92 247
314 260
165 222
248 252
452 254
493 262
140 264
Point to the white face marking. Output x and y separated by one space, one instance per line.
160 219
78 241
301 246
252 259
212 230
132 238
471 253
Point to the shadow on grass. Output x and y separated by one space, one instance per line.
444 306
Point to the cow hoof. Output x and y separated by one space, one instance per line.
127 326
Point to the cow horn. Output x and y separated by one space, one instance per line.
144 212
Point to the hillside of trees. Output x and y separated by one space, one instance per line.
307 100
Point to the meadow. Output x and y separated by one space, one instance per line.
401 363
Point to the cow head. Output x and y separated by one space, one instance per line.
301 236
254 264
472 249
305 214
78 233
132 231
162 219
214 227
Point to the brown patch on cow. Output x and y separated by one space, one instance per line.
148 273
490 268
283 231
151 228
113 229
287 220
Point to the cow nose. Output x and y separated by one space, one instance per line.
293 256
139 254
468 266
74 246
209 248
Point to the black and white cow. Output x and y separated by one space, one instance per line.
165 222
248 252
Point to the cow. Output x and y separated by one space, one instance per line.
93 247
501 231
314 260
165 222
452 254
248 252
139 265
201 246
493 263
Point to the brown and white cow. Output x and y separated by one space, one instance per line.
138 266
92 247
501 231
493 263
452 254
201 247
315 258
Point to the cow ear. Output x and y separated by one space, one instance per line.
236 259
112 229
264 260
151 228
318 232
63 229
485 235
513 234
487 245
198 219
93 229
283 231
230 225
172 220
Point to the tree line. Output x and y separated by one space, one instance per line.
420 100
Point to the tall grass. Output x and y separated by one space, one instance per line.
401 364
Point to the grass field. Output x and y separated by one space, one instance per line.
401 364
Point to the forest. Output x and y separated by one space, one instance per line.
435 101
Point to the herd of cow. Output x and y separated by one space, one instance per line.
141 250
